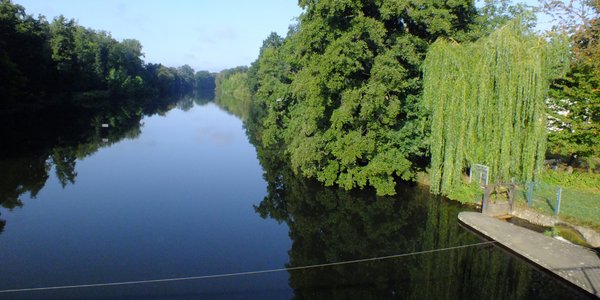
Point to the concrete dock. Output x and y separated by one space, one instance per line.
576 265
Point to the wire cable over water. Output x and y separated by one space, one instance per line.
242 273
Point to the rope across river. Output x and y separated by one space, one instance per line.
108 284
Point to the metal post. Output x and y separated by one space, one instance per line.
470 174
558 195
487 191
483 203
530 194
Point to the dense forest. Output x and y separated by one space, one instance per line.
62 63
342 94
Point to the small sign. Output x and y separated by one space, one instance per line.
480 174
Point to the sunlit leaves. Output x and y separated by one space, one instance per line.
233 93
574 102
486 101
346 111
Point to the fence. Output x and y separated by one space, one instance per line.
580 206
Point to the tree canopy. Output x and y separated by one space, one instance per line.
42 61
487 104
340 94
574 102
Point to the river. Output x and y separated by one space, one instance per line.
180 191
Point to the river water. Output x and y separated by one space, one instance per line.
180 191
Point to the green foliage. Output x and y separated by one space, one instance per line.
577 180
62 43
24 55
466 193
205 85
575 114
340 94
332 225
41 61
494 14
486 101
574 102
233 93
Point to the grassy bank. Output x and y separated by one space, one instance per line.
580 195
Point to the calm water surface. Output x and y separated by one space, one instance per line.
184 193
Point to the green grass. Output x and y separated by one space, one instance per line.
579 180
578 206
580 199
466 193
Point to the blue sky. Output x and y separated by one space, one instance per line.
207 35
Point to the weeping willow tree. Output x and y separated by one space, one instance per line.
487 104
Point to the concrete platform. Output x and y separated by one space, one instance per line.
576 265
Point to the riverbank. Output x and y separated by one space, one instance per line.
590 237
577 222
577 266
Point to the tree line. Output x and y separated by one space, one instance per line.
342 94
53 62
61 82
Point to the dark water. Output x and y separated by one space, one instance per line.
177 190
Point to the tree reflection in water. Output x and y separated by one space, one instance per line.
332 225
35 143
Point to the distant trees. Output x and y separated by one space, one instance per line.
233 92
62 43
40 59
205 85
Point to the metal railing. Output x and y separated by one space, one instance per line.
575 204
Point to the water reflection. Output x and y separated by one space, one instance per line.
2 224
36 143
325 224
329 225
332 225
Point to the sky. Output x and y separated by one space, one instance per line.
207 35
